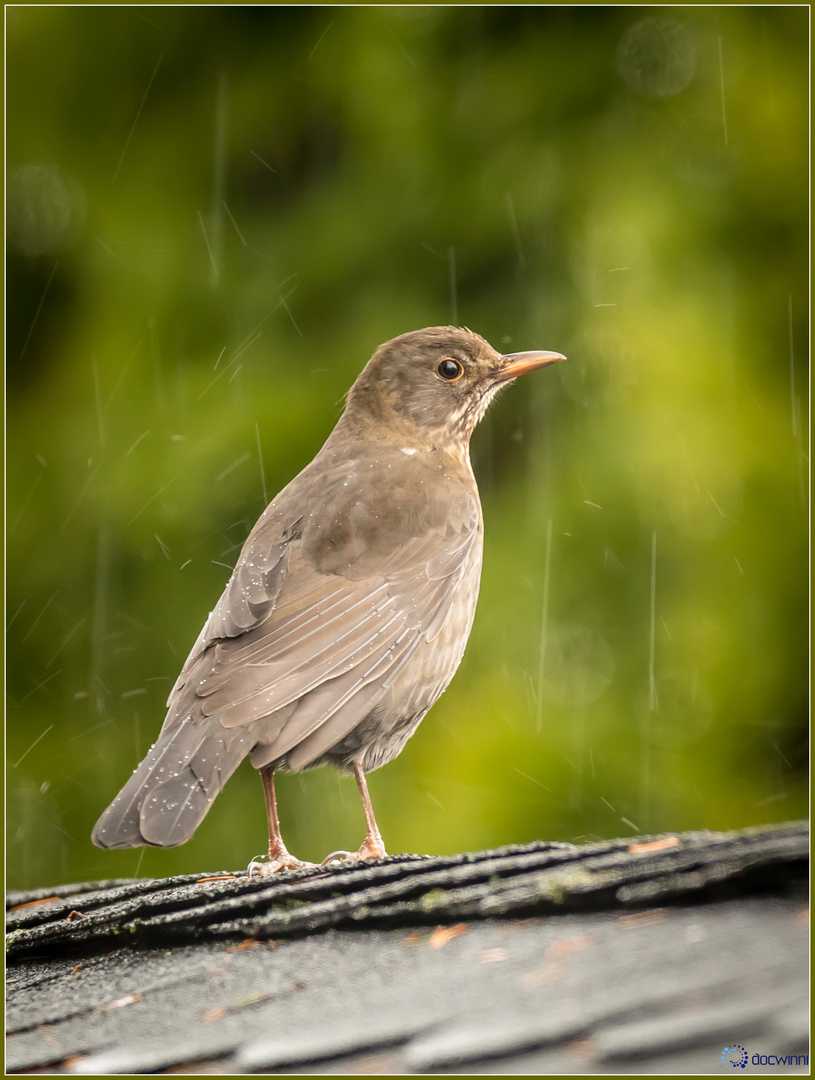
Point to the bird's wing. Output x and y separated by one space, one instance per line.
320 615
289 646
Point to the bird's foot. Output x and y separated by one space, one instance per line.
372 848
266 865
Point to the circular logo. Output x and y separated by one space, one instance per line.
735 1055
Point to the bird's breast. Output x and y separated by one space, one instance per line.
368 510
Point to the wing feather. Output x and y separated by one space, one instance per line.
343 720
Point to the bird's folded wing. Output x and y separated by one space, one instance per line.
289 643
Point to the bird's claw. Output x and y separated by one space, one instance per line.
339 856
263 866
369 851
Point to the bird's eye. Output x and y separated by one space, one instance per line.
450 369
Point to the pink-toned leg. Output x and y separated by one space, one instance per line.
279 857
372 846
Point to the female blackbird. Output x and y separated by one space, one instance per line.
349 608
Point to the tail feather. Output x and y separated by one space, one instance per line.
166 798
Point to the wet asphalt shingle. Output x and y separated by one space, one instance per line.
613 985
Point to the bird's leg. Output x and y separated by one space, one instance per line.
372 846
279 857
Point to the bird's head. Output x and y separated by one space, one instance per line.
434 385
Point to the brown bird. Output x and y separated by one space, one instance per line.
349 608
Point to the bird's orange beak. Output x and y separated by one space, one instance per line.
515 364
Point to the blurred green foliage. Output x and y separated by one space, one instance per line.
214 217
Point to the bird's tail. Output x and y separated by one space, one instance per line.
168 795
